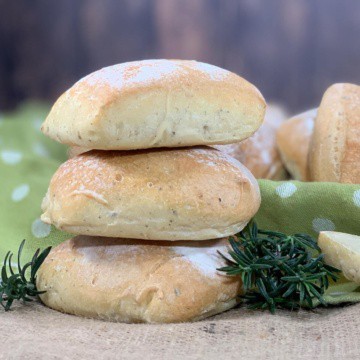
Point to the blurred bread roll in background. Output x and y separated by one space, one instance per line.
156 103
293 141
259 153
194 193
137 281
335 146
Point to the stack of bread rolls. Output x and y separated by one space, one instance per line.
324 144
151 204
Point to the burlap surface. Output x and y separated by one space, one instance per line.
35 332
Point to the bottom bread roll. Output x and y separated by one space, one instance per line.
137 281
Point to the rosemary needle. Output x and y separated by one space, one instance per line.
20 285
278 270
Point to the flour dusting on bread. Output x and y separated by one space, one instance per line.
133 73
141 73
214 72
206 260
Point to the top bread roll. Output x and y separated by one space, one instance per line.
293 141
193 193
335 145
258 153
156 103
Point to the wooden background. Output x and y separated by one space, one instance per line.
291 49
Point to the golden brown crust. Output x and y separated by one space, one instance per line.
156 103
259 153
335 146
293 141
137 281
174 194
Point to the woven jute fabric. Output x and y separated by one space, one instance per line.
36 332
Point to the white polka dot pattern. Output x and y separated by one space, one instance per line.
20 192
321 224
11 157
356 198
41 150
39 229
286 190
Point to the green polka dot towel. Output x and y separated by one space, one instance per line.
28 160
297 207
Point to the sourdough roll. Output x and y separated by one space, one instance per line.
259 153
335 146
156 103
162 194
136 280
293 141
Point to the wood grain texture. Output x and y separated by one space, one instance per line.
291 50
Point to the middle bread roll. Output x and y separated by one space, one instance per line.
194 193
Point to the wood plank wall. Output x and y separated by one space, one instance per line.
291 49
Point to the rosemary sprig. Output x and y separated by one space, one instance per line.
278 270
20 285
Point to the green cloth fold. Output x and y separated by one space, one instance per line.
28 160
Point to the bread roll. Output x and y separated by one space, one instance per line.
156 103
76 150
259 153
293 141
173 194
137 281
335 145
